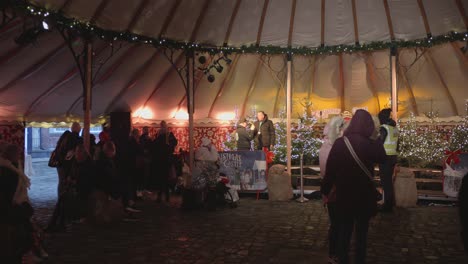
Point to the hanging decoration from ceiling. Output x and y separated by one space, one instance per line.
85 27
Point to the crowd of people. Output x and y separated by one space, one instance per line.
98 179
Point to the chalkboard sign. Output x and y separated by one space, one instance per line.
246 170
453 175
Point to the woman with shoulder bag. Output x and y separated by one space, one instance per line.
349 166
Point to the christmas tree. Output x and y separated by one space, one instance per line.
305 139
459 138
422 146
280 146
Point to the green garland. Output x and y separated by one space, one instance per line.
87 28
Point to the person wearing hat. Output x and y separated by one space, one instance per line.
243 136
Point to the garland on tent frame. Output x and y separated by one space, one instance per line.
86 27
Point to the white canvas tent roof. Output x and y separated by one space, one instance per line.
40 82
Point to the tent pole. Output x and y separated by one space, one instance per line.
393 75
87 94
288 112
190 67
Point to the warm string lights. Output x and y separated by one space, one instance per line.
87 28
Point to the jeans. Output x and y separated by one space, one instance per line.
360 225
332 230
386 178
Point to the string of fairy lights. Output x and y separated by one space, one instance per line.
85 27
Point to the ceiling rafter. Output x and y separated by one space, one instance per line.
412 99
34 68
231 22
460 54
133 81
9 54
430 59
372 79
163 79
106 75
199 20
322 23
65 5
99 11
341 88
424 16
252 85
280 87
310 91
133 22
65 79
226 78
262 20
169 18
355 22
12 25
389 20
291 22
462 11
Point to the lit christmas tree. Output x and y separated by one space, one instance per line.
422 146
280 146
305 139
459 138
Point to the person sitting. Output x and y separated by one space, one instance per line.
243 136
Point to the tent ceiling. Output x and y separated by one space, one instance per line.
40 82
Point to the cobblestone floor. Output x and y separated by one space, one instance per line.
255 232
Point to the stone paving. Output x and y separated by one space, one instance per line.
255 232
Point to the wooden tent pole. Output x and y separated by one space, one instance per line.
288 113
190 64
394 88
87 94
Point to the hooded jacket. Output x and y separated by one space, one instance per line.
355 192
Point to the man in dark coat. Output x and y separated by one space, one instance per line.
243 136
355 192
264 132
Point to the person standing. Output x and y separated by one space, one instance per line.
163 149
243 135
65 150
332 131
356 196
389 137
264 132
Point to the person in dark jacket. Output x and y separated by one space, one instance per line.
146 144
64 151
355 192
84 173
243 135
163 150
389 137
264 132
463 207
